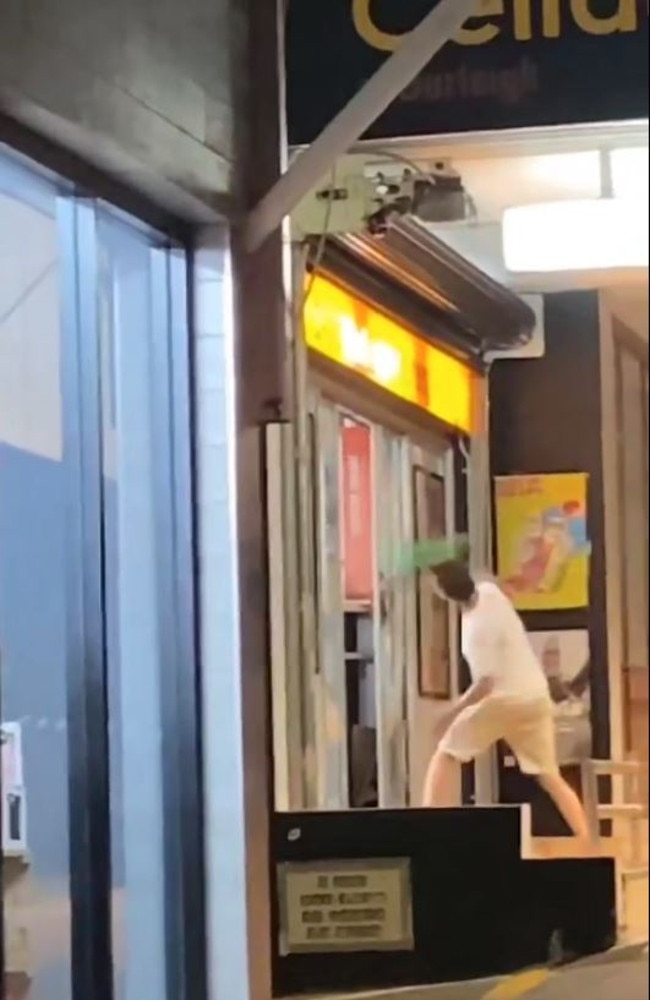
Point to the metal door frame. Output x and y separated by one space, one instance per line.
410 450
90 850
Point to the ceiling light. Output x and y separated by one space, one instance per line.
630 173
584 235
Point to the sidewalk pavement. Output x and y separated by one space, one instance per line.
621 974
626 980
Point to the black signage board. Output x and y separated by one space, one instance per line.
520 64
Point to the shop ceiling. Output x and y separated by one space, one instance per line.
497 173
525 87
502 172
498 183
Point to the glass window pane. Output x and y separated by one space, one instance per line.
32 596
433 612
128 328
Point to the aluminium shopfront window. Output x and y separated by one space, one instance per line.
360 679
100 770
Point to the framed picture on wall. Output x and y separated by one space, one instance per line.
565 656
433 621
543 547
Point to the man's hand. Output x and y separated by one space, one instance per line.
482 689
443 724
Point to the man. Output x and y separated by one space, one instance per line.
508 700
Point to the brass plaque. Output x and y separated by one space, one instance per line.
344 906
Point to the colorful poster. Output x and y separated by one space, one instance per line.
565 657
356 453
543 547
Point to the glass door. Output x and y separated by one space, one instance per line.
35 610
359 589
392 496
434 638
142 641
330 677
98 683
383 658
341 724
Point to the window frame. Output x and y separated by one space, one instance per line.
175 534
627 344
442 683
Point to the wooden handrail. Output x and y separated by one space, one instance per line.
619 767
596 811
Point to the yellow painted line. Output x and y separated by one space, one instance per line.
519 985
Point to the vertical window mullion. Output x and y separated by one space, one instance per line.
87 689
620 475
174 531
643 463
187 682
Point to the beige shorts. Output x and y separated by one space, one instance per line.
527 727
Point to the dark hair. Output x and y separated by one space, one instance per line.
455 581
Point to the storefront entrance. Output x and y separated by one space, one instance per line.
93 343
365 656
378 490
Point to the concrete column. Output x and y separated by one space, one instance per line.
235 783
242 383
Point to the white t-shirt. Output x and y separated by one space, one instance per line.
495 644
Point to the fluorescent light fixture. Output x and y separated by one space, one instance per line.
630 173
586 235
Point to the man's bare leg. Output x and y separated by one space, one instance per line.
440 782
568 804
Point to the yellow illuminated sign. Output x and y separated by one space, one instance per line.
351 333
520 17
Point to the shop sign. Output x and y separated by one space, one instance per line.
356 459
353 334
345 906
518 64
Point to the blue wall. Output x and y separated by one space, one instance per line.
33 639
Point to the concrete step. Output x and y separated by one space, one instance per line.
453 884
